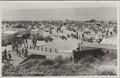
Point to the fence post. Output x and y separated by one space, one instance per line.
55 50
73 56
38 47
42 48
34 47
30 46
50 50
27 46
46 49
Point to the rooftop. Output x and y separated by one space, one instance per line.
9 32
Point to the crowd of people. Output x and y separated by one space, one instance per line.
19 45
6 56
90 30
22 52
87 31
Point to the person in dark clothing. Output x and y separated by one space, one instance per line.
13 46
18 52
35 41
79 48
5 54
9 55
23 51
2 55
26 52
26 40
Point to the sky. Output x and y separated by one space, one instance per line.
59 11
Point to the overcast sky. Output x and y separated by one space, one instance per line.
59 10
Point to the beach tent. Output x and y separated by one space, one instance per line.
109 41
8 35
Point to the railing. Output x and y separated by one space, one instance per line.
43 49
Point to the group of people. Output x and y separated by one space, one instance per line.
6 55
103 29
83 30
34 40
20 47
22 52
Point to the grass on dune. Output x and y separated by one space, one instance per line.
87 66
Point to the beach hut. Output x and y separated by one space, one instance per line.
110 41
8 35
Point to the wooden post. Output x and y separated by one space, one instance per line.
73 56
42 48
34 47
46 49
55 50
27 46
50 50
30 46
38 47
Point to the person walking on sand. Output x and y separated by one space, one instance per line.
26 52
23 51
79 45
5 54
9 56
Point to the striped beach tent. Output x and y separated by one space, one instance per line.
110 41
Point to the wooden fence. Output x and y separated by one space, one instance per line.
43 49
